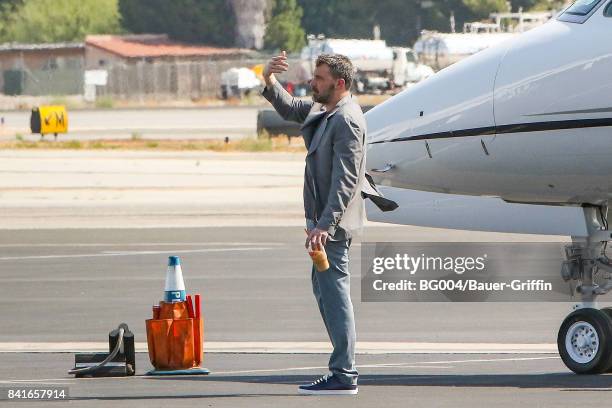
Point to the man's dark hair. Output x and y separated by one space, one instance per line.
339 67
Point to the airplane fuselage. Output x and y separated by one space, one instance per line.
528 121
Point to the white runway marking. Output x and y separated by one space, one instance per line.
273 370
52 381
442 364
300 348
131 253
418 365
141 244
481 360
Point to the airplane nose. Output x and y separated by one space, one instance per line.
406 130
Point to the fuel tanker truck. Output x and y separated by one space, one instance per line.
378 67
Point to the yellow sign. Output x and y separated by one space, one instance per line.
258 70
53 119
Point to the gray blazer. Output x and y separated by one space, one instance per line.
335 162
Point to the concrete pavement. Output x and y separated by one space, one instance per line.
255 283
166 123
58 189
84 239
262 380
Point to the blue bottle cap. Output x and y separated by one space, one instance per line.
173 261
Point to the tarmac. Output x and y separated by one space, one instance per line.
161 123
84 240
268 380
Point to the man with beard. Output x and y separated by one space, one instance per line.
334 132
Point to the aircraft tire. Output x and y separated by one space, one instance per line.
608 311
584 341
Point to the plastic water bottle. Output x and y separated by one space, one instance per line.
175 286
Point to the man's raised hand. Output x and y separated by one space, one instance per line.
277 65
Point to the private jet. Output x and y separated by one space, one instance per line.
516 138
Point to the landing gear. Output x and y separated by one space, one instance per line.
585 337
584 341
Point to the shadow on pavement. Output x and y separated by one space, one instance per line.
178 397
554 380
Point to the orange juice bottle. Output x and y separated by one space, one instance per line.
319 258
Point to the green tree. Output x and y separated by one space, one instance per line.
195 21
338 18
400 21
9 6
525 4
7 10
482 8
284 31
439 16
59 20
545 5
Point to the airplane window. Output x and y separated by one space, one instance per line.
580 11
608 10
582 7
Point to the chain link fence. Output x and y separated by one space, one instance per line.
177 80
42 82
159 80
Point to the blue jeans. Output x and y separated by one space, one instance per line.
331 289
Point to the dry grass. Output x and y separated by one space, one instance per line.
372 99
277 144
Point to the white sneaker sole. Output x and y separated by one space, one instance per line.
329 392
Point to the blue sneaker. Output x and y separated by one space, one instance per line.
328 385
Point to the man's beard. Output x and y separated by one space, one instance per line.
322 97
